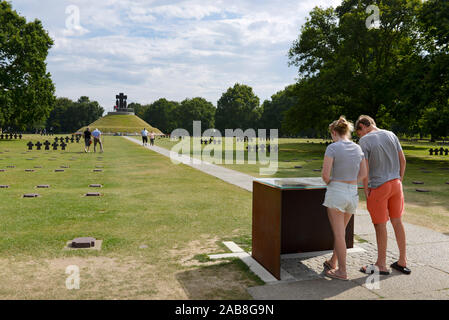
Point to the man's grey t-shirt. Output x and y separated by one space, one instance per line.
381 148
347 157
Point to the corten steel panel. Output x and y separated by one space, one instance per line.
305 224
266 236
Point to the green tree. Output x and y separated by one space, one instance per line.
353 69
162 114
238 108
196 109
139 109
68 116
274 110
26 88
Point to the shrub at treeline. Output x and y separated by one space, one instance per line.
397 72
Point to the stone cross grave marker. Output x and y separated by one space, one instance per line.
38 145
55 146
47 145
30 145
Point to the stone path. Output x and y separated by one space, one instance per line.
427 251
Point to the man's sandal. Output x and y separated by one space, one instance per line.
402 269
371 268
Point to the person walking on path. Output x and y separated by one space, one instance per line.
152 138
87 140
97 139
345 160
144 134
383 190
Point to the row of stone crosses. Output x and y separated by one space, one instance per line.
10 136
262 147
441 151
55 144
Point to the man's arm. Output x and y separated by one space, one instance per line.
402 163
365 180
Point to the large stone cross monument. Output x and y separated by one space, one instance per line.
121 107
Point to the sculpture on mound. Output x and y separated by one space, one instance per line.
121 106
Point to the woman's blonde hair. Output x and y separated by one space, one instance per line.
342 126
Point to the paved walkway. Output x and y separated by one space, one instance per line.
427 250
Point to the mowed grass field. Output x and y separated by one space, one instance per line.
427 209
157 221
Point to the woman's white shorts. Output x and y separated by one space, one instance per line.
342 196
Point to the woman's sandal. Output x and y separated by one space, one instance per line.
331 274
327 265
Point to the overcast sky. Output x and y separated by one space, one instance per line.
151 49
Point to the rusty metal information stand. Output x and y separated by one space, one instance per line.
288 217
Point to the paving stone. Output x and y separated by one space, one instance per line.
29 170
43 186
422 279
93 194
98 170
316 289
4 186
95 186
59 170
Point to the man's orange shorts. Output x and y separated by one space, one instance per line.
386 201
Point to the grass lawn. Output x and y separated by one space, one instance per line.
156 220
427 209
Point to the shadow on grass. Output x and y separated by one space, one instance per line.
225 281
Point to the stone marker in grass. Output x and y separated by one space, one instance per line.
422 190
298 167
84 242
29 170
4 186
93 194
2 170
95 186
418 182
59 170
31 195
98 170
10 166
43 186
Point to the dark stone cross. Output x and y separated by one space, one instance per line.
78 139
121 101
38 145
56 139
72 139
30 145
47 145
431 152
15 136
67 139
446 151
435 151
1 136
20 136
55 145
63 145
61 139
10 136
441 151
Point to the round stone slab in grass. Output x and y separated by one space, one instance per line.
43 186
93 194
65 167
10 166
418 182
95 186
316 170
84 242
31 195
98 170
29 170
2 170
30 159
59 170
298 167
422 190
38 167
4 186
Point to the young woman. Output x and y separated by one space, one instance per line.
343 167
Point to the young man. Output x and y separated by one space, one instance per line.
383 189
97 139
144 134
87 136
